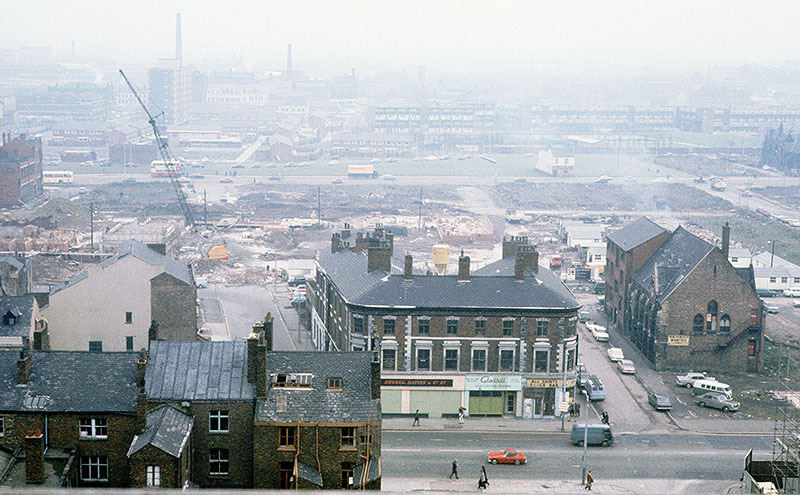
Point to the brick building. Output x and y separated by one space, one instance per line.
75 410
20 170
160 456
499 341
21 324
689 308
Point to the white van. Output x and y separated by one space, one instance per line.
705 386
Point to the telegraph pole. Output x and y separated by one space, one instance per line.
564 367
319 209
91 224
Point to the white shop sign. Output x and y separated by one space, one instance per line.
493 382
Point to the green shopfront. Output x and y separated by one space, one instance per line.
492 394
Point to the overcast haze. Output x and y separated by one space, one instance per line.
380 34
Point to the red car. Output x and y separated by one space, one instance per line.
337 181
226 180
508 456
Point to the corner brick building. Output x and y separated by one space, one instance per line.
687 306
20 170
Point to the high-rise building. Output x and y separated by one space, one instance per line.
170 89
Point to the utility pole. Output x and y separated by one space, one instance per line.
585 438
772 256
319 209
564 367
205 209
91 224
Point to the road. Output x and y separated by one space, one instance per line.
678 456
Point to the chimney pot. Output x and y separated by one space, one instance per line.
23 367
463 267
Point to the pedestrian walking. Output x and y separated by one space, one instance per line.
589 481
483 480
577 410
416 418
454 472
571 411
461 414
604 417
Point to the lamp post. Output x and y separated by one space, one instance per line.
585 438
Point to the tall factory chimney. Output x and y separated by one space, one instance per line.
289 60
178 40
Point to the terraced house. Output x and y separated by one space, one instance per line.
499 341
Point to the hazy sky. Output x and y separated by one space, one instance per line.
691 33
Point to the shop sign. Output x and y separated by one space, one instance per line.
548 383
678 340
493 382
416 382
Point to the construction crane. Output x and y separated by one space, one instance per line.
166 156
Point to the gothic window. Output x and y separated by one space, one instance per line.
725 323
697 326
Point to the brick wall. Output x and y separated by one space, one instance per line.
152 456
174 307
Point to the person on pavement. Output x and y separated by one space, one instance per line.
604 417
461 414
483 480
416 418
454 472
589 481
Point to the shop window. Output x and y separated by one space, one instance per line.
348 436
388 326
451 359
697 325
508 327
725 323
286 436
423 359
506 360
478 359
452 327
389 359
218 462
541 360
424 326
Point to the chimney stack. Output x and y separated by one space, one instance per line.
141 411
34 458
252 348
264 345
375 378
463 267
379 257
726 239
407 268
526 258
510 244
141 369
289 60
178 39
23 367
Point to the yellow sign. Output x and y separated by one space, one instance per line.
678 340
547 383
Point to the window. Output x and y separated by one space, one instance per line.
570 359
129 343
478 359
541 327
480 326
697 325
95 346
540 361
292 380
797 280
389 359
734 259
153 475
508 327
773 279
452 327
751 348
285 477
424 326
334 383
218 463
725 323
506 360
423 359
128 317
348 436
347 474
93 428
358 325
2 426
451 359
94 468
286 436
218 421
388 326
711 317
784 280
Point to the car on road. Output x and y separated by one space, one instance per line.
689 378
583 374
599 333
204 333
792 292
659 401
717 401
615 354
274 177
129 180
337 181
297 280
584 316
796 303
770 307
507 456
226 180
626 367
389 177
595 434
765 293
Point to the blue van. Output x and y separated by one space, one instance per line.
595 389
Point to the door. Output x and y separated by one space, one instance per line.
511 404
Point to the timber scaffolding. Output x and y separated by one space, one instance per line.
785 463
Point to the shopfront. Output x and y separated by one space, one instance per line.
540 396
432 395
492 394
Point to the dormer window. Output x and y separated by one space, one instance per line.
9 318
334 383
292 380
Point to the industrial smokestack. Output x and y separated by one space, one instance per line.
726 239
178 40
289 60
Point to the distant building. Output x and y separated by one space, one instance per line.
21 323
740 257
775 273
556 164
16 276
170 89
20 170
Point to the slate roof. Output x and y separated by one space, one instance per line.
308 473
168 429
12 260
22 308
493 286
374 472
211 371
675 259
70 381
142 252
635 233
351 404
748 275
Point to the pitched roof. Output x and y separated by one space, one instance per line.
678 256
168 429
373 473
198 371
142 252
493 286
635 233
308 473
748 275
70 381
351 404
21 307
14 261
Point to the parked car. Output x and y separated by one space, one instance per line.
204 333
689 378
595 434
583 374
765 293
507 456
595 389
792 292
297 280
702 387
599 333
717 401
615 354
796 303
659 401
226 180
770 307
584 316
626 367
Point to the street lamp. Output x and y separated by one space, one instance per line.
585 438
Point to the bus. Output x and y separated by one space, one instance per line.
158 168
57 177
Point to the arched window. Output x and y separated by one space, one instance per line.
711 316
697 326
725 323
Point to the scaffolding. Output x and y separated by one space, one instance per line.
785 462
